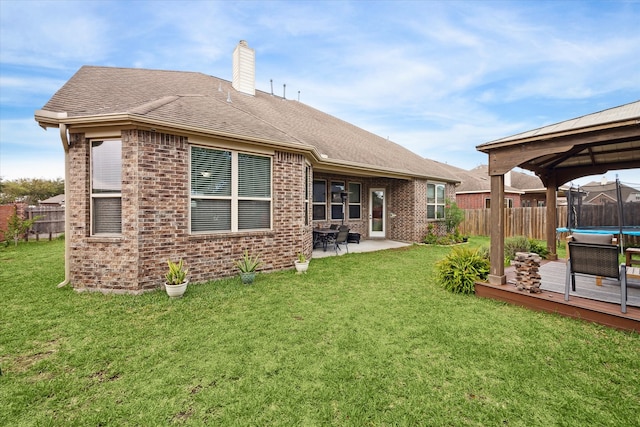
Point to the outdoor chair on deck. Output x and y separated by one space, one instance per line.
595 255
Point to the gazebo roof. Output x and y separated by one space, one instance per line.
587 145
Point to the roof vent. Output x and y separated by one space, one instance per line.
244 69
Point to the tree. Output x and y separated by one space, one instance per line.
29 190
453 215
17 226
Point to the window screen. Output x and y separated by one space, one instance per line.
106 187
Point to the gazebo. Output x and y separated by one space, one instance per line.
587 145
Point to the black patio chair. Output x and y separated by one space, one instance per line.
595 259
342 238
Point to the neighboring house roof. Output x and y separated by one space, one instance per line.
201 104
55 200
596 191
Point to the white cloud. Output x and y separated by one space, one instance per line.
50 34
438 77
28 151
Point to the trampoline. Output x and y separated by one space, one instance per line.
604 208
629 231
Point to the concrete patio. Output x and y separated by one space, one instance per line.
363 246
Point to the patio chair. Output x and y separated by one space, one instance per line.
592 256
341 238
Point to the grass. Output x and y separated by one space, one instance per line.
362 339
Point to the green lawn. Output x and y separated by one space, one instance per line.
362 339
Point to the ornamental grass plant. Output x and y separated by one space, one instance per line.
362 339
462 268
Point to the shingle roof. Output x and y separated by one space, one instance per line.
611 115
594 189
519 181
195 100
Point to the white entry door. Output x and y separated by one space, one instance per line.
377 208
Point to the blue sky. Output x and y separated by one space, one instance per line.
438 77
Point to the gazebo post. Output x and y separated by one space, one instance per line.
496 273
552 218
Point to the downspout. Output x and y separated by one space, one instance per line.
67 224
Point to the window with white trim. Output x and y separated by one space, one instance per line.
435 201
106 187
230 191
307 175
319 200
355 200
337 206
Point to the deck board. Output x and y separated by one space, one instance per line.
590 302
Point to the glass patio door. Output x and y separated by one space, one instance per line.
376 213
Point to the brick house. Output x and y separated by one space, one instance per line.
603 192
520 189
167 165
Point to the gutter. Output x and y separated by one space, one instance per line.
64 136
47 119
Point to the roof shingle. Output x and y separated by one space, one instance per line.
195 100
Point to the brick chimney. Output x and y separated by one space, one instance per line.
244 69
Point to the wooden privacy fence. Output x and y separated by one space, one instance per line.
51 221
530 222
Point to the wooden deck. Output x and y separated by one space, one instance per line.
599 304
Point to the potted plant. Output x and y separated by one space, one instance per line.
247 266
176 279
302 263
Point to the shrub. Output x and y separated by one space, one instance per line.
538 247
439 236
485 252
18 226
523 244
431 238
453 216
459 270
515 244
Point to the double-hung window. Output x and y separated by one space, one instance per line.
106 187
230 191
435 201
337 203
319 200
307 176
355 200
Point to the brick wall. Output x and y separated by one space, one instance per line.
406 206
6 212
403 200
471 201
477 200
155 217
155 220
